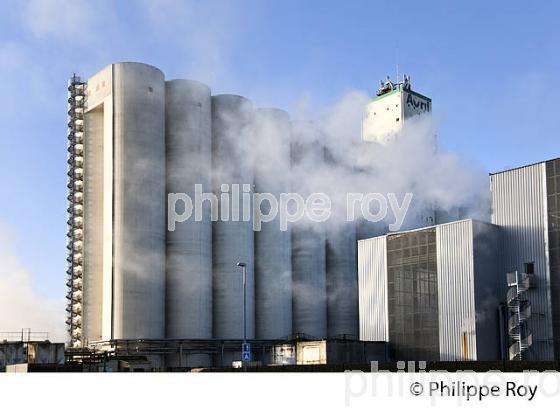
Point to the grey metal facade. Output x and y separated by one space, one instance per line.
519 207
553 209
412 295
470 289
432 293
372 289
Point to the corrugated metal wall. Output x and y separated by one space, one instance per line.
372 284
488 290
457 334
519 207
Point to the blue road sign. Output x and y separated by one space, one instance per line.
246 356
246 347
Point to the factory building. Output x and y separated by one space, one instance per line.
458 291
28 351
526 205
135 137
433 293
499 282
393 107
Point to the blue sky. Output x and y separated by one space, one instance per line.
490 68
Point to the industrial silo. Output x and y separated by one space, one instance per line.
309 302
188 133
341 255
273 264
139 202
232 233
342 280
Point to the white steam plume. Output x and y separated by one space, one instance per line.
332 159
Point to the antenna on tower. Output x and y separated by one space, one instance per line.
397 61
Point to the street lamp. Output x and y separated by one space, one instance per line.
243 266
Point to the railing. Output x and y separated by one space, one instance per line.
520 312
76 103
25 335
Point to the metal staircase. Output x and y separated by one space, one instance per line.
75 259
519 308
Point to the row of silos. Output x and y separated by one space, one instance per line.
170 136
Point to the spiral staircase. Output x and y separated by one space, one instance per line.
519 308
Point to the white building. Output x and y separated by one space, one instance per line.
386 115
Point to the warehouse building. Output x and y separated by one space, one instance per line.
433 293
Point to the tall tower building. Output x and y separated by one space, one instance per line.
117 205
386 115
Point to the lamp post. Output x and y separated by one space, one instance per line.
243 267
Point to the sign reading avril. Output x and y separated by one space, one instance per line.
417 104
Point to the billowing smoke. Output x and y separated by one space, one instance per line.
329 157
21 304
326 156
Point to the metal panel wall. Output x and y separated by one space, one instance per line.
519 208
372 284
412 295
553 209
488 290
457 326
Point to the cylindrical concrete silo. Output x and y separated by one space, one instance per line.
232 234
273 252
188 126
309 281
308 239
139 202
342 280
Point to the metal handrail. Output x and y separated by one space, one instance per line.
25 335
520 308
